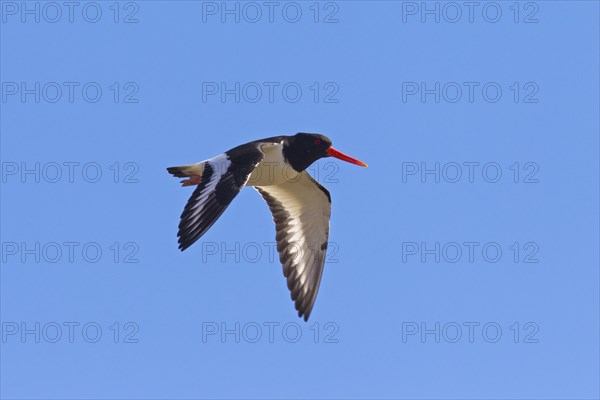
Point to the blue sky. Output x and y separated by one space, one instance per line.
463 262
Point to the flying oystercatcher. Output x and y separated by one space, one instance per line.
276 168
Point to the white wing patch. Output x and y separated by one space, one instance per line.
219 164
222 179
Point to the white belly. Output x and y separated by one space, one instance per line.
272 170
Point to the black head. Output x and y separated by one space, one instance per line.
303 149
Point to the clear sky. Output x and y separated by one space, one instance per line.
463 262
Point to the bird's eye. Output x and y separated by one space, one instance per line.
317 141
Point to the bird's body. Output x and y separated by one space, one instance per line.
276 168
272 169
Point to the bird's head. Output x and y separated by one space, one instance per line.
307 148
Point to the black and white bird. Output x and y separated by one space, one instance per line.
276 168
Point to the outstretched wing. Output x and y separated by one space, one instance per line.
222 179
301 209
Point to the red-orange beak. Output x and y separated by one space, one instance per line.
331 152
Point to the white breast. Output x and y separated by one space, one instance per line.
272 170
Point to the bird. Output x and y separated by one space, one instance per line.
300 206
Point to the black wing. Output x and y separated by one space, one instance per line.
222 179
